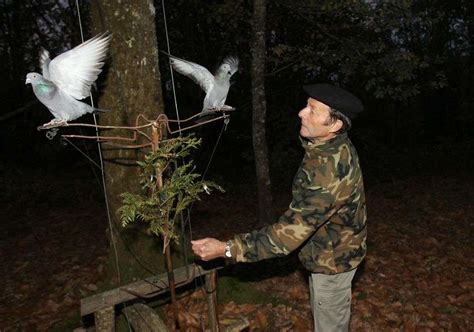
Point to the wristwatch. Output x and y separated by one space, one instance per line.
227 252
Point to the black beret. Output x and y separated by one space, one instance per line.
335 97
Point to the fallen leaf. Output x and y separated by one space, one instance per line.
262 319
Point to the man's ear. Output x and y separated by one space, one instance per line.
336 126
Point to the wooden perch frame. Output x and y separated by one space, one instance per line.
162 122
147 134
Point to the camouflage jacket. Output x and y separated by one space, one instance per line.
326 218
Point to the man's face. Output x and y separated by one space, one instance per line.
315 121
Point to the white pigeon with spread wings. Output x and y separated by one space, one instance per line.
215 86
68 78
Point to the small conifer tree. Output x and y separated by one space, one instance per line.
169 186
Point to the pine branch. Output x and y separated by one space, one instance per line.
160 206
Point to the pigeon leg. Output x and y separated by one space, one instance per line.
214 109
223 108
53 123
227 108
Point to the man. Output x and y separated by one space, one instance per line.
326 219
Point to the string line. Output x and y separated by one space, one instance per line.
171 69
188 219
104 186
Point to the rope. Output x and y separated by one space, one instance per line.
81 152
104 187
188 211
171 69
165 23
188 218
224 126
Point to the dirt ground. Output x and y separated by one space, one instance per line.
418 274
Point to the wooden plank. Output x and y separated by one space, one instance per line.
144 288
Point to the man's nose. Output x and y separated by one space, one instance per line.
302 113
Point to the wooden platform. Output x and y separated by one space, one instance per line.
152 286
143 318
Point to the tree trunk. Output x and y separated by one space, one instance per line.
133 87
265 201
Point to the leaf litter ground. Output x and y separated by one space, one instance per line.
418 274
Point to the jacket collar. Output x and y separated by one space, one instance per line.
323 145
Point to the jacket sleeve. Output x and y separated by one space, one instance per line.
310 208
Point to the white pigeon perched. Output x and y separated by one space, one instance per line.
216 86
68 78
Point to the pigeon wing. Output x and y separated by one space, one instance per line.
74 71
197 73
44 61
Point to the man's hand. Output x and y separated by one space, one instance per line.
208 248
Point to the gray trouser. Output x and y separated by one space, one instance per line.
331 301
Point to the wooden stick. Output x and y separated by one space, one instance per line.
211 290
156 137
105 320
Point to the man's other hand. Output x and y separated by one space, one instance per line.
208 248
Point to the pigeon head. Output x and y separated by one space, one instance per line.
34 78
230 65
226 69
